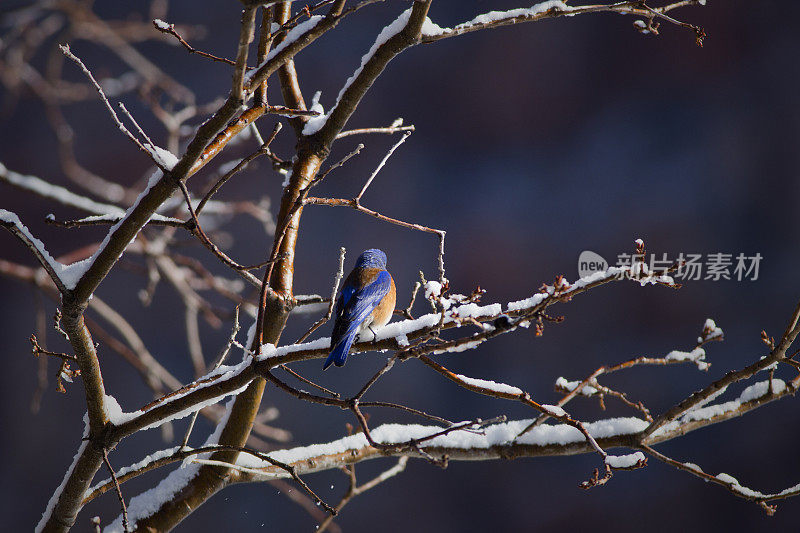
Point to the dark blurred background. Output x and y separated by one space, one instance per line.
533 143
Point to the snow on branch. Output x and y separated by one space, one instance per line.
700 398
146 503
400 34
215 386
753 392
291 37
64 276
61 195
591 387
463 443
488 385
501 18
730 483
501 440
457 311
295 39
87 264
51 504
316 123
556 8
230 380
103 213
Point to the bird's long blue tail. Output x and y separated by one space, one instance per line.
338 354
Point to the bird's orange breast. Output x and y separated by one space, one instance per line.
384 310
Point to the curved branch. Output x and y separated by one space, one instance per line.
556 8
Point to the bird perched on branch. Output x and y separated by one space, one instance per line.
367 299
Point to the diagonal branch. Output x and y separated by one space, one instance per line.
777 354
54 269
151 153
169 29
401 34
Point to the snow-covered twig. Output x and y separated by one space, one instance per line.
169 29
558 8
508 392
61 195
729 482
110 220
182 453
697 398
59 273
590 387
295 40
395 127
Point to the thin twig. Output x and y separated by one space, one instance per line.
336 280
388 130
264 149
411 410
12 223
344 202
407 311
66 50
405 136
339 163
728 482
388 366
198 230
169 29
227 348
354 490
118 490
136 124
38 350
309 382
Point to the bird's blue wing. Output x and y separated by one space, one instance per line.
364 301
342 302
353 306
344 298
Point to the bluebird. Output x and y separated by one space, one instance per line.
367 299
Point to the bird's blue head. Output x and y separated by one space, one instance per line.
372 258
